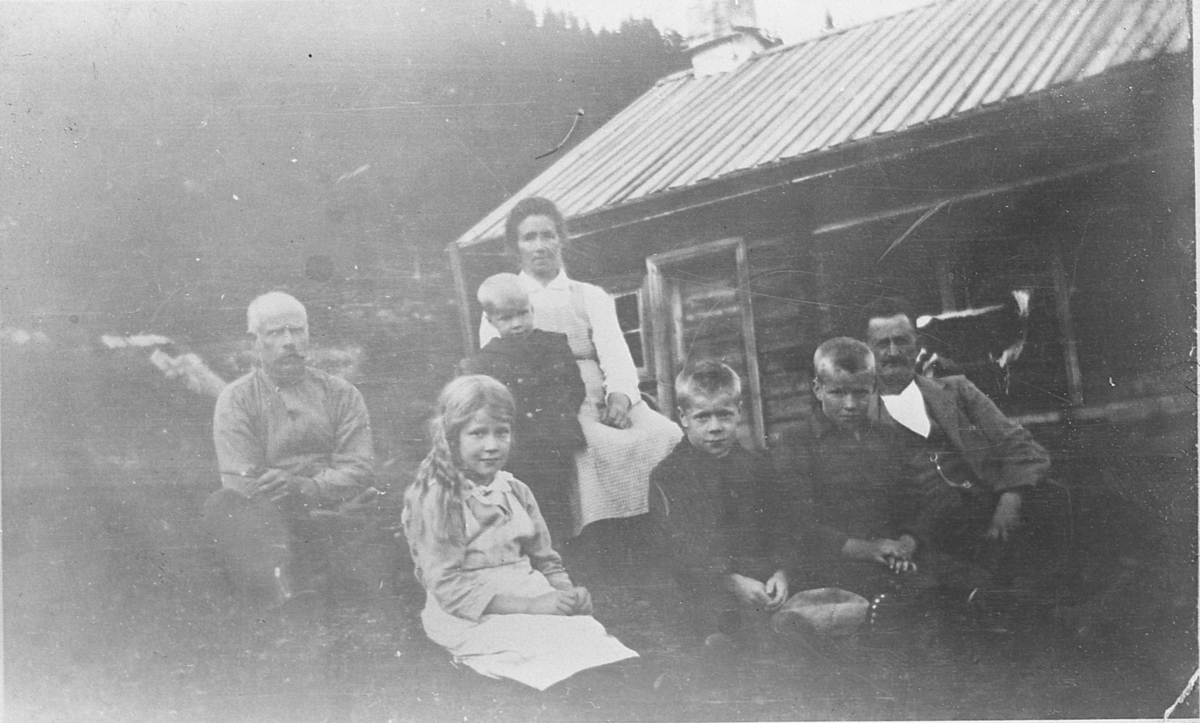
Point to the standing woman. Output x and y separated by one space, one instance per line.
625 437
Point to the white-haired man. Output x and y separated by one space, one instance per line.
290 439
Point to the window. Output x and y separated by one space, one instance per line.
629 317
700 303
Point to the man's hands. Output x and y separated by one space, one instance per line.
896 554
276 484
1007 517
616 411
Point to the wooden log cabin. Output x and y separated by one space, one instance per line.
750 207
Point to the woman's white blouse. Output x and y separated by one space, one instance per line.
620 374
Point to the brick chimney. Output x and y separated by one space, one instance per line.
723 34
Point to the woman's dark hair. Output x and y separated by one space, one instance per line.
532 206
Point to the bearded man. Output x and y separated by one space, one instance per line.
292 443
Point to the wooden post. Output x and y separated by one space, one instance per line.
470 343
659 311
1062 298
751 345
821 287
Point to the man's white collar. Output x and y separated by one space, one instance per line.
908 408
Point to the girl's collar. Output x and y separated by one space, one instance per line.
491 493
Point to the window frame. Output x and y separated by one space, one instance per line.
641 330
664 307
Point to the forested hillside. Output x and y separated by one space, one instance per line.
166 163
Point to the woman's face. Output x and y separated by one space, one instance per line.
540 247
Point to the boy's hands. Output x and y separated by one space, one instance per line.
748 590
768 596
893 553
903 562
777 590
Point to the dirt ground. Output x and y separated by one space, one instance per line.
114 611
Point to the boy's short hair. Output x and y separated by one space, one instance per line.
848 355
502 291
706 378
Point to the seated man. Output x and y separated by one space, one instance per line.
838 464
989 520
708 512
290 440
541 372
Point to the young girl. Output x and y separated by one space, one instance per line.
497 596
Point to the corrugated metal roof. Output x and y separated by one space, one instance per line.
928 64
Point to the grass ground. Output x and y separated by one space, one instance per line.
106 619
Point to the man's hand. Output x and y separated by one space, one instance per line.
276 484
1007 517
777 590
748 590
616 411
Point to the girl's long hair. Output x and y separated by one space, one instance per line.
431 501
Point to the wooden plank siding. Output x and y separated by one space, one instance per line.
787 324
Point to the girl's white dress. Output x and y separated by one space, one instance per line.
504 548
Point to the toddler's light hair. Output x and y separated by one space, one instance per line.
708 378
431 502
502 291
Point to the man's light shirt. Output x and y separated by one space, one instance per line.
908 408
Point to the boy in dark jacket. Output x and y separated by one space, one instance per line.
842 469
709 502
542 374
